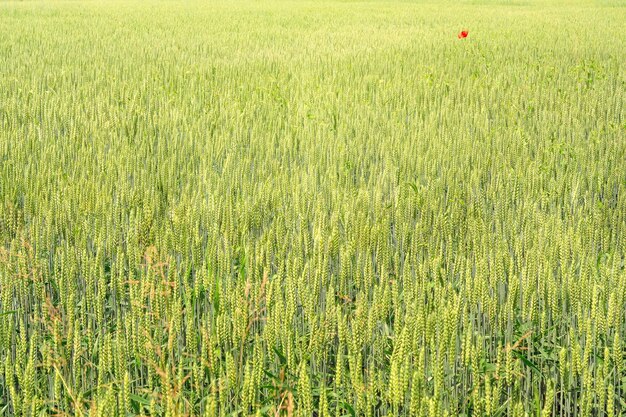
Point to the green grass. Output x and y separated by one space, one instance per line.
312 208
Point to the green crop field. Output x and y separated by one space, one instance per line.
312 208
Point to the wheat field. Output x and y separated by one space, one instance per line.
312 208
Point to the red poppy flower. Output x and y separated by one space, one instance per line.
463 34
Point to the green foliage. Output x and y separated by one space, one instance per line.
312 208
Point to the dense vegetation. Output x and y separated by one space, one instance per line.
312 208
